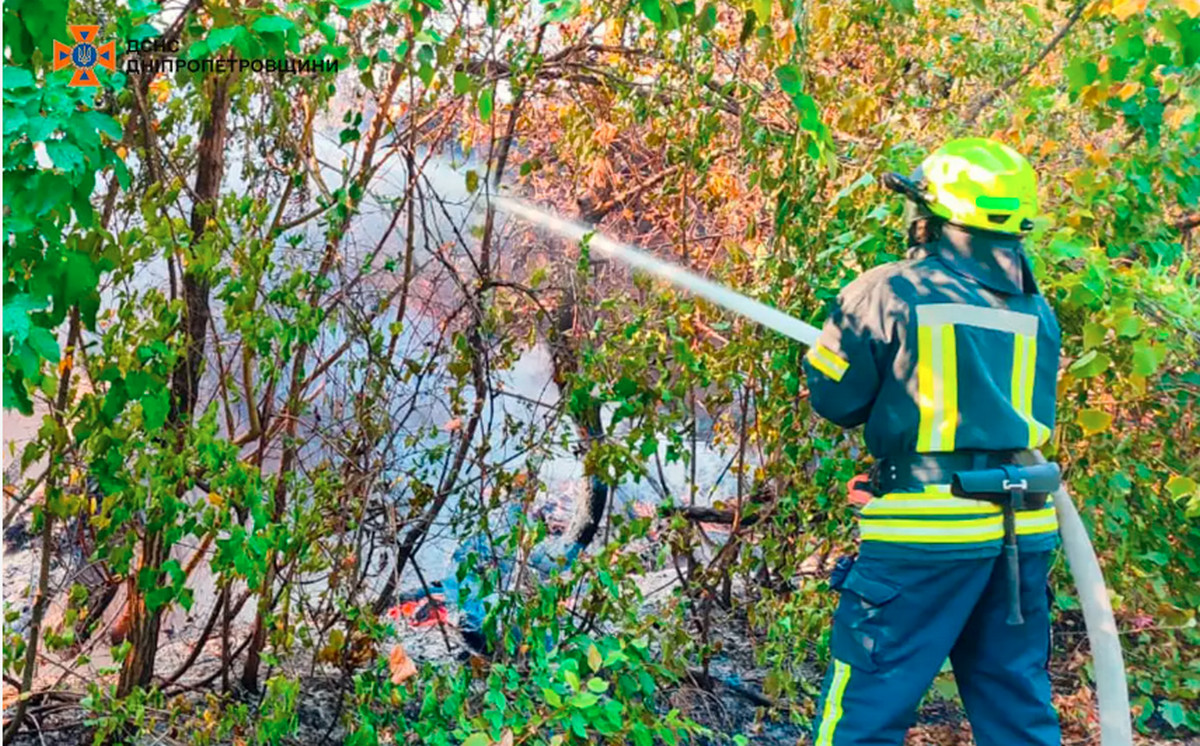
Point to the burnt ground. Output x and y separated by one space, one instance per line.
728 701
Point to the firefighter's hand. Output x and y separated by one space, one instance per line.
857 492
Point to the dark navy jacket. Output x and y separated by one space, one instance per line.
950 349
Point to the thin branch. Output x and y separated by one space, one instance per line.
987 99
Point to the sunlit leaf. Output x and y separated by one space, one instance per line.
1094 421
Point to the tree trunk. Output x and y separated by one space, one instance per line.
138 668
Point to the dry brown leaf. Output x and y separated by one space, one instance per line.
401 666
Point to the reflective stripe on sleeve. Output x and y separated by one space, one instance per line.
827 361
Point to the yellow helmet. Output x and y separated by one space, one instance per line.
976 182
979 183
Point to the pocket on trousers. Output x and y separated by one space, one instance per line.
860 630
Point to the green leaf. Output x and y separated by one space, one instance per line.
426 72
1173 713
1093 421
1179 486
477 739
789 79
1032 14
552 698
17 322
197 50
762 9
154 408
64 155
595 660
906 7
810 115
1081 72
90 122
172 568
159 597
652 10
707 20
472 181
597 685
1092 363
80 278
1093 335
1145 360
565 11
583 700
273 25
43 343
220 37
485 104
1128 326
462 83
17 77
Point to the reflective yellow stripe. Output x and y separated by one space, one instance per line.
827 361
949 420
823 366
935 500
1020 344
830 357
1040 433
1037 521
925 392
1024 368
983 317
1030 359
937 369
937 387
922 505
958 527
833 703
916 531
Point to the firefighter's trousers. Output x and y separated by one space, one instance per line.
896 624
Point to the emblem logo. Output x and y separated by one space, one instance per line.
85 56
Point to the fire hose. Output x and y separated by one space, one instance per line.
1112 693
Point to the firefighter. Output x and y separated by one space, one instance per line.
949 358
